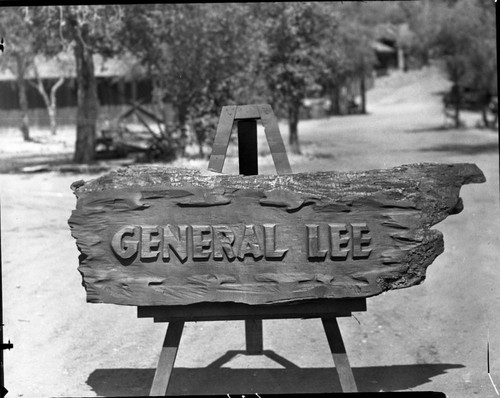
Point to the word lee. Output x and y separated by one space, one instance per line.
202 241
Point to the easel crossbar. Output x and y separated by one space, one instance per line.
239 311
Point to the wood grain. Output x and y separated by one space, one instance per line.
151 236
274 139
339 355
222 137
167 359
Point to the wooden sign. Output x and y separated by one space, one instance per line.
165 236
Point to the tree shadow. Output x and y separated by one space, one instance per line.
215 379
463 149
440 93
62 162
442 128
14 164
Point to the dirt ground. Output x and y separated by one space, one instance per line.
431 337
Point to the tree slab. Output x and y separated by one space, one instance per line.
152 236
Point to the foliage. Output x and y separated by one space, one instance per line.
44 47
372 13
482 60
293 56
201 57
194 53
294 34
347 56
17 34
463 36
56 26
19 55
85 30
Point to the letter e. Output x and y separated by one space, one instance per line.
358 241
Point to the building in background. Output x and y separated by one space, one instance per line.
119 81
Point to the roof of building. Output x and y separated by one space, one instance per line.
64 65
382 48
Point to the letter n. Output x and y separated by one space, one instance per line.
177 243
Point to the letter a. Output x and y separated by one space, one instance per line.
250 244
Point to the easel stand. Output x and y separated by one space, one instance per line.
328 310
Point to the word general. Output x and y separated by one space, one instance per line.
205 242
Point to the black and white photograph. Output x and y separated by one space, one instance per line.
243 199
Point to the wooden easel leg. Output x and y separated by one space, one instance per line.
253 335
248 162
167 358
248 154
339 354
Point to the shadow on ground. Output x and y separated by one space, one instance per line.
431 129
56 162
463 149
14 164
215 379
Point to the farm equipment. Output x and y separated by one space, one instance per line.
151 141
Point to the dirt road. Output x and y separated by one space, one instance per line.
428 337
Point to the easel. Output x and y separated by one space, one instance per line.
328 310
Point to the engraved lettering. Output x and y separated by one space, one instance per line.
338 241
223 242
123 246
176 241
325 241
270 242
250 244
202 242
359 241
313 244
150 241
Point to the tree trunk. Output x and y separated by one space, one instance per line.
457 101
182 115
293 122
201 154
86 116
335 100
133 89
401 59
121 94
53 121
485 101
362 89
200 139
50 101
52 108
489 107
23 98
